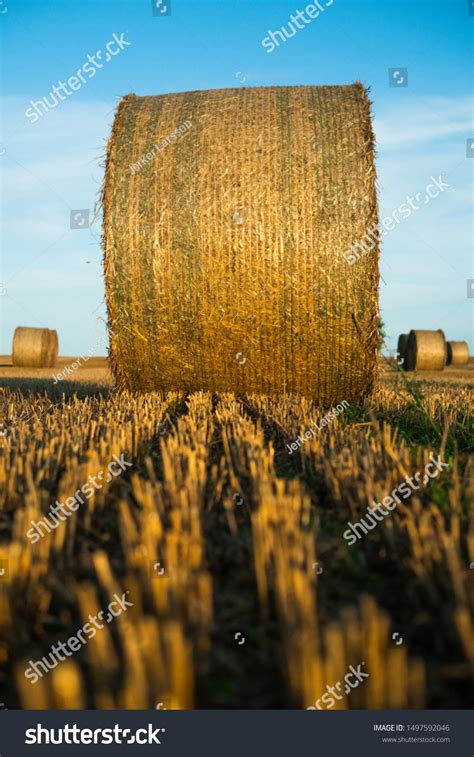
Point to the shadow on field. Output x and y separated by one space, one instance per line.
56 391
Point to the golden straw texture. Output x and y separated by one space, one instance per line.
35 348
224 247
426 351
458 353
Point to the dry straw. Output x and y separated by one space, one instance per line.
34 348
458 353
426 351
223 254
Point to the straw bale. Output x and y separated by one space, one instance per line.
34 348
224 246
458 353
402 346
426 351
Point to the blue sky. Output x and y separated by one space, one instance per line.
51 274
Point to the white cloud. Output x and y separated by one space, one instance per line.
422 120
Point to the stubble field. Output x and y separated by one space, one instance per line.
244 591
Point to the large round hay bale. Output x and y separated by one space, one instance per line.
458 353
234 231
34 348
426 350
401 348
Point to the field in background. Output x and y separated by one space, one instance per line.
258 600
96 371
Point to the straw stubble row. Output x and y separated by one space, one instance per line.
177 509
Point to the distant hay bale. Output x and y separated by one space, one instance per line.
426 351
226 250
458 353
34 348
402 346
53 347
